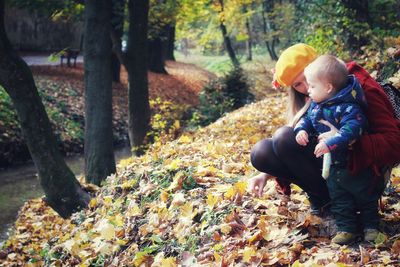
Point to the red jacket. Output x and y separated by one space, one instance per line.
381 146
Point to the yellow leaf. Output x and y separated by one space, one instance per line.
230 193
396 171
118 220
93 203
241 187
255 237
217 257
248 253
297 264
71 246
125 162
169 262
187 210
174 165
106 229
84 254
133 210
107 200
129 184
226 228
212 200
185 139
296 188
140 257
206 171
238 188
164 196
177 181
177 124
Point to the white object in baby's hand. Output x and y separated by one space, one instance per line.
326 165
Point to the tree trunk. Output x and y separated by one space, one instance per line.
99 152
63 192
170 47
249 42
227 40
267 29
139 107
115 68
117 22
156 55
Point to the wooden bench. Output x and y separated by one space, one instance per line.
69 54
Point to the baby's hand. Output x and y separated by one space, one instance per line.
321 149
302 138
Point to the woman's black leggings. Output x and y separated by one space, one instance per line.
282 157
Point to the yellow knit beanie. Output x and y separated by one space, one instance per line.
292 62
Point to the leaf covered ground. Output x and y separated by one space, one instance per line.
186 203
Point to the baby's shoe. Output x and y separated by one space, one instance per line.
344 238
370 234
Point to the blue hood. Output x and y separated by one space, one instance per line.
352 93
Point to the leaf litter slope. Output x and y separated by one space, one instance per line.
186 203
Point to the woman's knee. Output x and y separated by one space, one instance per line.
259 154
284 140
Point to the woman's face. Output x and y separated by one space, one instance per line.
300 84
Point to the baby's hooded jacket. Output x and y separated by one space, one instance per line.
345 111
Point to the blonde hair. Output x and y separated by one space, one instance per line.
330 69
297 107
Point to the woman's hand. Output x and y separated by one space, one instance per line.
257 183
302 138
333 130
321 149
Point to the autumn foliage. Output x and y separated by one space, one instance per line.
186 203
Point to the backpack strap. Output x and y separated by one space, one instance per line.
393 94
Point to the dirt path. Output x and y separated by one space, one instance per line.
62 91
182 85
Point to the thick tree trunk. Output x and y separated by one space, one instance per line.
115 68
170 47
139 107
117 22
157 55
99 153
227 40
63 192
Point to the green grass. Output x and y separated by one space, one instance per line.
257 70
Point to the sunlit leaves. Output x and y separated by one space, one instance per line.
149 215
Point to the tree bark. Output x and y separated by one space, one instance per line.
157 55
63 192
249 42
227 40
117 22
139 107
267 28
170 47
99 152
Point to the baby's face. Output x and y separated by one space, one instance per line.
318 90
